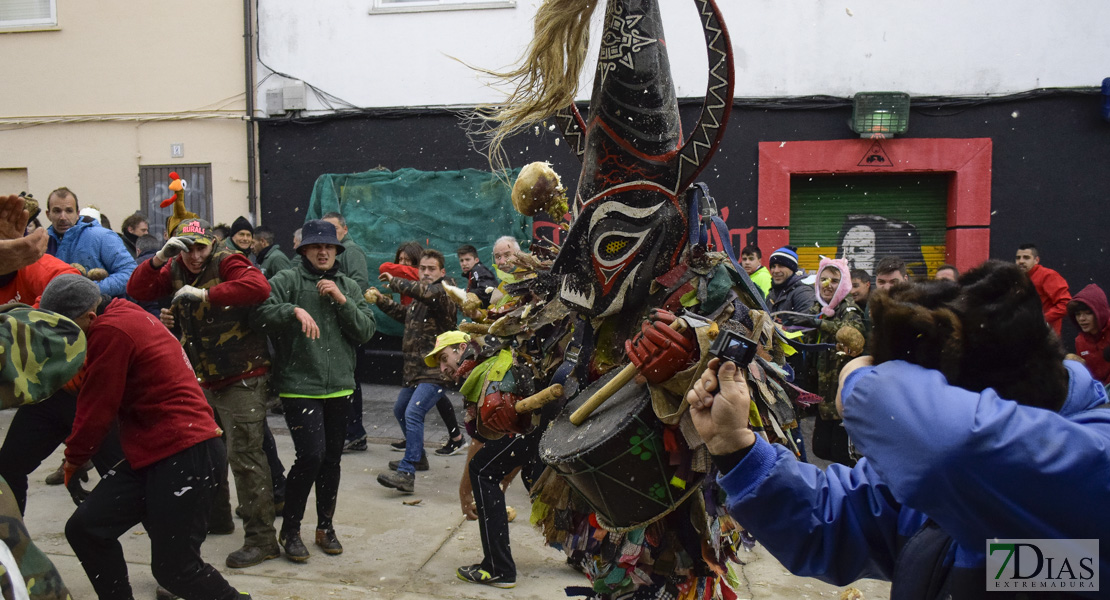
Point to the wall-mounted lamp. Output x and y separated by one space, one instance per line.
881 114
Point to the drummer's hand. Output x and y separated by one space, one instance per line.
719 404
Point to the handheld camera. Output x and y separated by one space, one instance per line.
732 346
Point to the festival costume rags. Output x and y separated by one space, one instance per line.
95 247
933 452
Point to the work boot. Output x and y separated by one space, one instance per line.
248 556
294 547
395 465
398 480
326 540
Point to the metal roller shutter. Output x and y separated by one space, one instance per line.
867 217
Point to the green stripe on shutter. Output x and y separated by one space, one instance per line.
898 214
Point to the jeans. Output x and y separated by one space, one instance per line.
170 498
317 426
413 404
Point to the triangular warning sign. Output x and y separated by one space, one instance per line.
876 157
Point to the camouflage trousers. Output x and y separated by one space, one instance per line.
241 408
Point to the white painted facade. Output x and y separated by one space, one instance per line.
805 47
110 88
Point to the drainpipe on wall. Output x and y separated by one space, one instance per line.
248 53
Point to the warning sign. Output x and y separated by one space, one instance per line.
876 156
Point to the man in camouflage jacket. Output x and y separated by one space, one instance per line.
430 314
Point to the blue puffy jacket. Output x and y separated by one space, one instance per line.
977 465
95 247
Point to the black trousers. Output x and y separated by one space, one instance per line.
35 433
170 498
317 427
490 465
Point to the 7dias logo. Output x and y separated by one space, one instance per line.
1042 565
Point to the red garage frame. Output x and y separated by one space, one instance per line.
967 241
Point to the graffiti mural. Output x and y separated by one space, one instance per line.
868 238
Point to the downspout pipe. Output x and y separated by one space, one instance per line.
248 54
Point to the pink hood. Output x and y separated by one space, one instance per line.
842 290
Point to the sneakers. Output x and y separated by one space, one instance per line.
358 445
402 482
395 465
398 446
248 556
452 447
326 540
476 574
294 548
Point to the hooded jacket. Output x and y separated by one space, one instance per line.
794 296
1093 348
325 365
963 460
94 247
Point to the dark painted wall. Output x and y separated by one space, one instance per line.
1051 163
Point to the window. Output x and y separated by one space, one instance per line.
28 13
394 6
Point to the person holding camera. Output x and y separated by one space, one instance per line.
214 291
965 400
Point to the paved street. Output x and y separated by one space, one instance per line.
392 550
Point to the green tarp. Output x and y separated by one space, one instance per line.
440 209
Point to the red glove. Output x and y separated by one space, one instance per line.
498 414
659 351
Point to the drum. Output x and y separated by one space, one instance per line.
616 459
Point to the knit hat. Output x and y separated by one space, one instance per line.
842 289
70 295
786 256
319 232
241 224
91 212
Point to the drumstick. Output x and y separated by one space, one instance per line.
536 401
626 374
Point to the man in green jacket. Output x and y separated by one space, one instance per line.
268 255
315 317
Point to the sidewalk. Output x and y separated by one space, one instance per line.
391 550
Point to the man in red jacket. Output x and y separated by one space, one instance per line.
1051 287
136 372
1090 313
214 290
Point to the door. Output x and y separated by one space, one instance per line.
154 182
866 217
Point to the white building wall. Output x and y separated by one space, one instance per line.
782 48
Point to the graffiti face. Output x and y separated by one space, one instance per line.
859 248
620 242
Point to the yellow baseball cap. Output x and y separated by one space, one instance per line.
445 340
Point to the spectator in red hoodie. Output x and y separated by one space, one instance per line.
137 373
1090 313
1050 285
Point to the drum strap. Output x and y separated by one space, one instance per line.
576 357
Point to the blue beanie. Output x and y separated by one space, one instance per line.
785 256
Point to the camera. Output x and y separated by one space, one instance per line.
732 346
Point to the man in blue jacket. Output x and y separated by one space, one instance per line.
81 240
972 428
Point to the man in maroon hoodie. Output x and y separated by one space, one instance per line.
136 372
1090 313
1050 285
